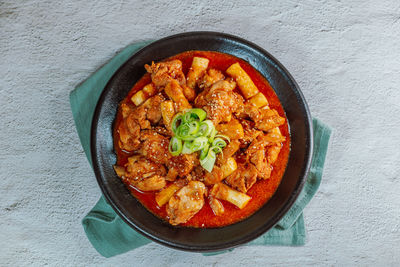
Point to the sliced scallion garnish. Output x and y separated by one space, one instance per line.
177 119
219 142
204 151
206 128
193 133
175 146
208 162
224 137
194 114
187 147
199 143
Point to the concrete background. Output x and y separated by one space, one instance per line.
345 55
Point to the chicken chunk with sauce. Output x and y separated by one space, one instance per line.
250 133
256 153
183 164
155 146
265 119
185 203
209 178
129 130
209 78
144 174
164 72
219 101
153 106
216 206
243 178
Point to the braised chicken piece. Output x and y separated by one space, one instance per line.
155 146
126 109
144 174
127 140
164 72
213 177
273 152
249 111
275 136
138 118
243 178
139 167
153 108
209 178
209 78
206 94
263 167
265 119
264 140
219 101
184 204
129 130
152 183
250 133
269 120
183 164
256 152
216 206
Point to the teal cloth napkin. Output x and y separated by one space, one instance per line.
111 236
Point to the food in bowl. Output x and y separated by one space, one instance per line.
201 139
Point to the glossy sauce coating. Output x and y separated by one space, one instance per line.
260 192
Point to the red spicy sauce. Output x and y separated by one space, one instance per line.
260 192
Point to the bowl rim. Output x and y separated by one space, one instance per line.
294 194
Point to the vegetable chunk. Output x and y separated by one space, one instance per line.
246 85
142 95
224 192
259 100
229 167
164 195
199 66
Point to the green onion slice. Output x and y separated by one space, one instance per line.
212 135
188 131
194 127
199 143
192 132
224 137
204 151
206 128
175 146
216 149
194 114
219 142
177 118
187 148
209 161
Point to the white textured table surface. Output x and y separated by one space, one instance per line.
345 57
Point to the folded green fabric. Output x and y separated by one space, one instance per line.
111 236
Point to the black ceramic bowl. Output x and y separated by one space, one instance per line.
194 239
